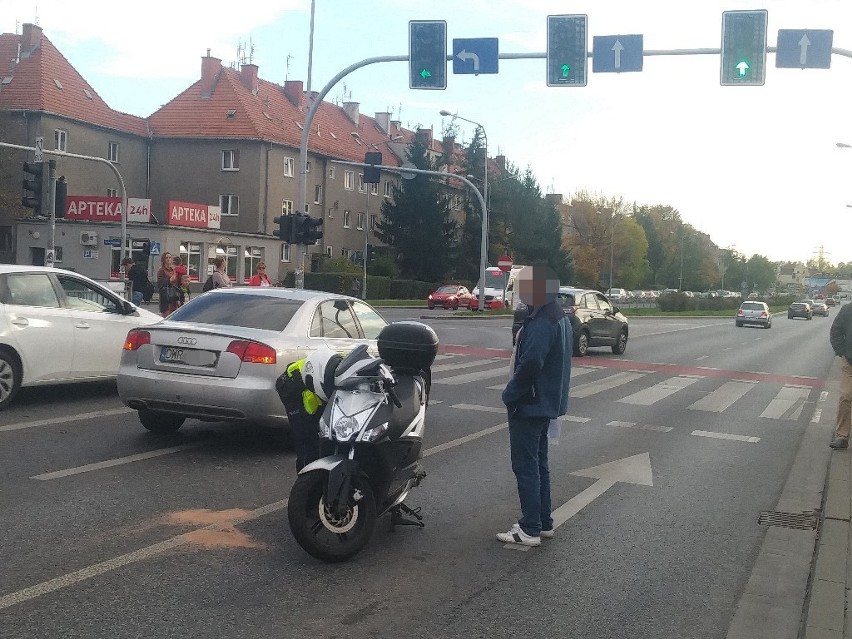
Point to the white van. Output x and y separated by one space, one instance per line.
496 281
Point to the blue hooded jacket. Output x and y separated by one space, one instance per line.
542 371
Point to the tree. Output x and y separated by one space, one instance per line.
470 240
417 223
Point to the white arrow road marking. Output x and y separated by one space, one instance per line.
618 48
464 56
804 43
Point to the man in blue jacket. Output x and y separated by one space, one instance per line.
536 394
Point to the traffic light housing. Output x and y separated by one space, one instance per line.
371 254
36 175
285 228
372 175
61 194
427 54
567 46
743 48
309 232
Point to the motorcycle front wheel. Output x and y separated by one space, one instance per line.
320 532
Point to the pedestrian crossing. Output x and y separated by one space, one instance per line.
631 383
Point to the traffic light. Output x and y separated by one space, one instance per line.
427 54
567 46
61 194
35 190
371 254
311 233
285 228
372 175
743 48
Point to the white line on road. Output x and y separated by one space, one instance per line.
440 368
65 420
723 397
115 462
660 429
698 359
739 438
501 371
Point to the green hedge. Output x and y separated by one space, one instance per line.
681 302
410 289
378 287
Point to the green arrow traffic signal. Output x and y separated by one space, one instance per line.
424 73
565 70
742 67
743 59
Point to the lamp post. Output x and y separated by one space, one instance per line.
483 249
611 250
680 279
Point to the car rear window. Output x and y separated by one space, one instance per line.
752 306
447 289
248 311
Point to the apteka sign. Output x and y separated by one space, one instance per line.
195 215
94 208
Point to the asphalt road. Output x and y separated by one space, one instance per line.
109 531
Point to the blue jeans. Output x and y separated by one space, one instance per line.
136 298
528 441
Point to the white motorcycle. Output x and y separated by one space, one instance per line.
371 432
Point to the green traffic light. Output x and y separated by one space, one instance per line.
742 67
565 69
425 73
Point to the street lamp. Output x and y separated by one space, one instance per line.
680 279
611 250
483 249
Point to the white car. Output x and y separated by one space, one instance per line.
57 326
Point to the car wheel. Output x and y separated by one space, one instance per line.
739 324
621 345
581 344
160 423
789 316
456 305
10 377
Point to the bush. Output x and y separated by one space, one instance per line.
410 289
378 287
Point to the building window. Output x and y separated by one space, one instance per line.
372 222
360 218
112 152
307 208
229 252
388 189
308 166
331 173
347 219
230 160
60 140
289 167
252 256
112 192
318 194
331 213
374 189
190 254
345 253
57 254
285 252
329 251
349 180
362 188
229 204
286 207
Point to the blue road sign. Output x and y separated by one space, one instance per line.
155 248
804 48
475 55
617 53
112 241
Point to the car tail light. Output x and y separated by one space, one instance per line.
740 312
252 352
763 313
136 338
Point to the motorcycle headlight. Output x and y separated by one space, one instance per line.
374 433
345 427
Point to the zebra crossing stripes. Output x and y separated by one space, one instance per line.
576 371
500 371
788 403
454 366
724 396
659 391
607 383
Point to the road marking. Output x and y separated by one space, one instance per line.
482 409
440 368
66 420
787 404
698 359
472 377
608 383
463 440
660 429
572 418
115 462
576 371
739 438
722 398
655 393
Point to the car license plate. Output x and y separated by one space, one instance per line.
169 354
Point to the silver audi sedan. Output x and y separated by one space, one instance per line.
217 357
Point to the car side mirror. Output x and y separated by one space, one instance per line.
127 308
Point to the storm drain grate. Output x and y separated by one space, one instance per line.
808 520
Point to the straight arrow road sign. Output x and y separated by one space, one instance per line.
617 54
804 48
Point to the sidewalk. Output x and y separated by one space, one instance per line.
801 579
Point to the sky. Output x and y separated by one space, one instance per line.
755 168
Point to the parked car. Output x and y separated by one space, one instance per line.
752 312
831 301
491 303
799 309
819 307
594 320
450 296
618 295
217 358
57 326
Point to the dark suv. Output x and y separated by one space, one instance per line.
800 309
596 322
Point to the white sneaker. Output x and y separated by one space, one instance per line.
517 536
547 534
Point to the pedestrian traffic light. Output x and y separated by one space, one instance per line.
35 190
743 48
61 194
285 228
427 54
567 46
372 175
310 230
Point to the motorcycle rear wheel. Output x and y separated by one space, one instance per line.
318 531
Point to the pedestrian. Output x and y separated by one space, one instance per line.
185 296
840 337
220 279
260 278
356 287
180 268
167 285
137 276
536 393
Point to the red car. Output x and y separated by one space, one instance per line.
450 296
491 303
